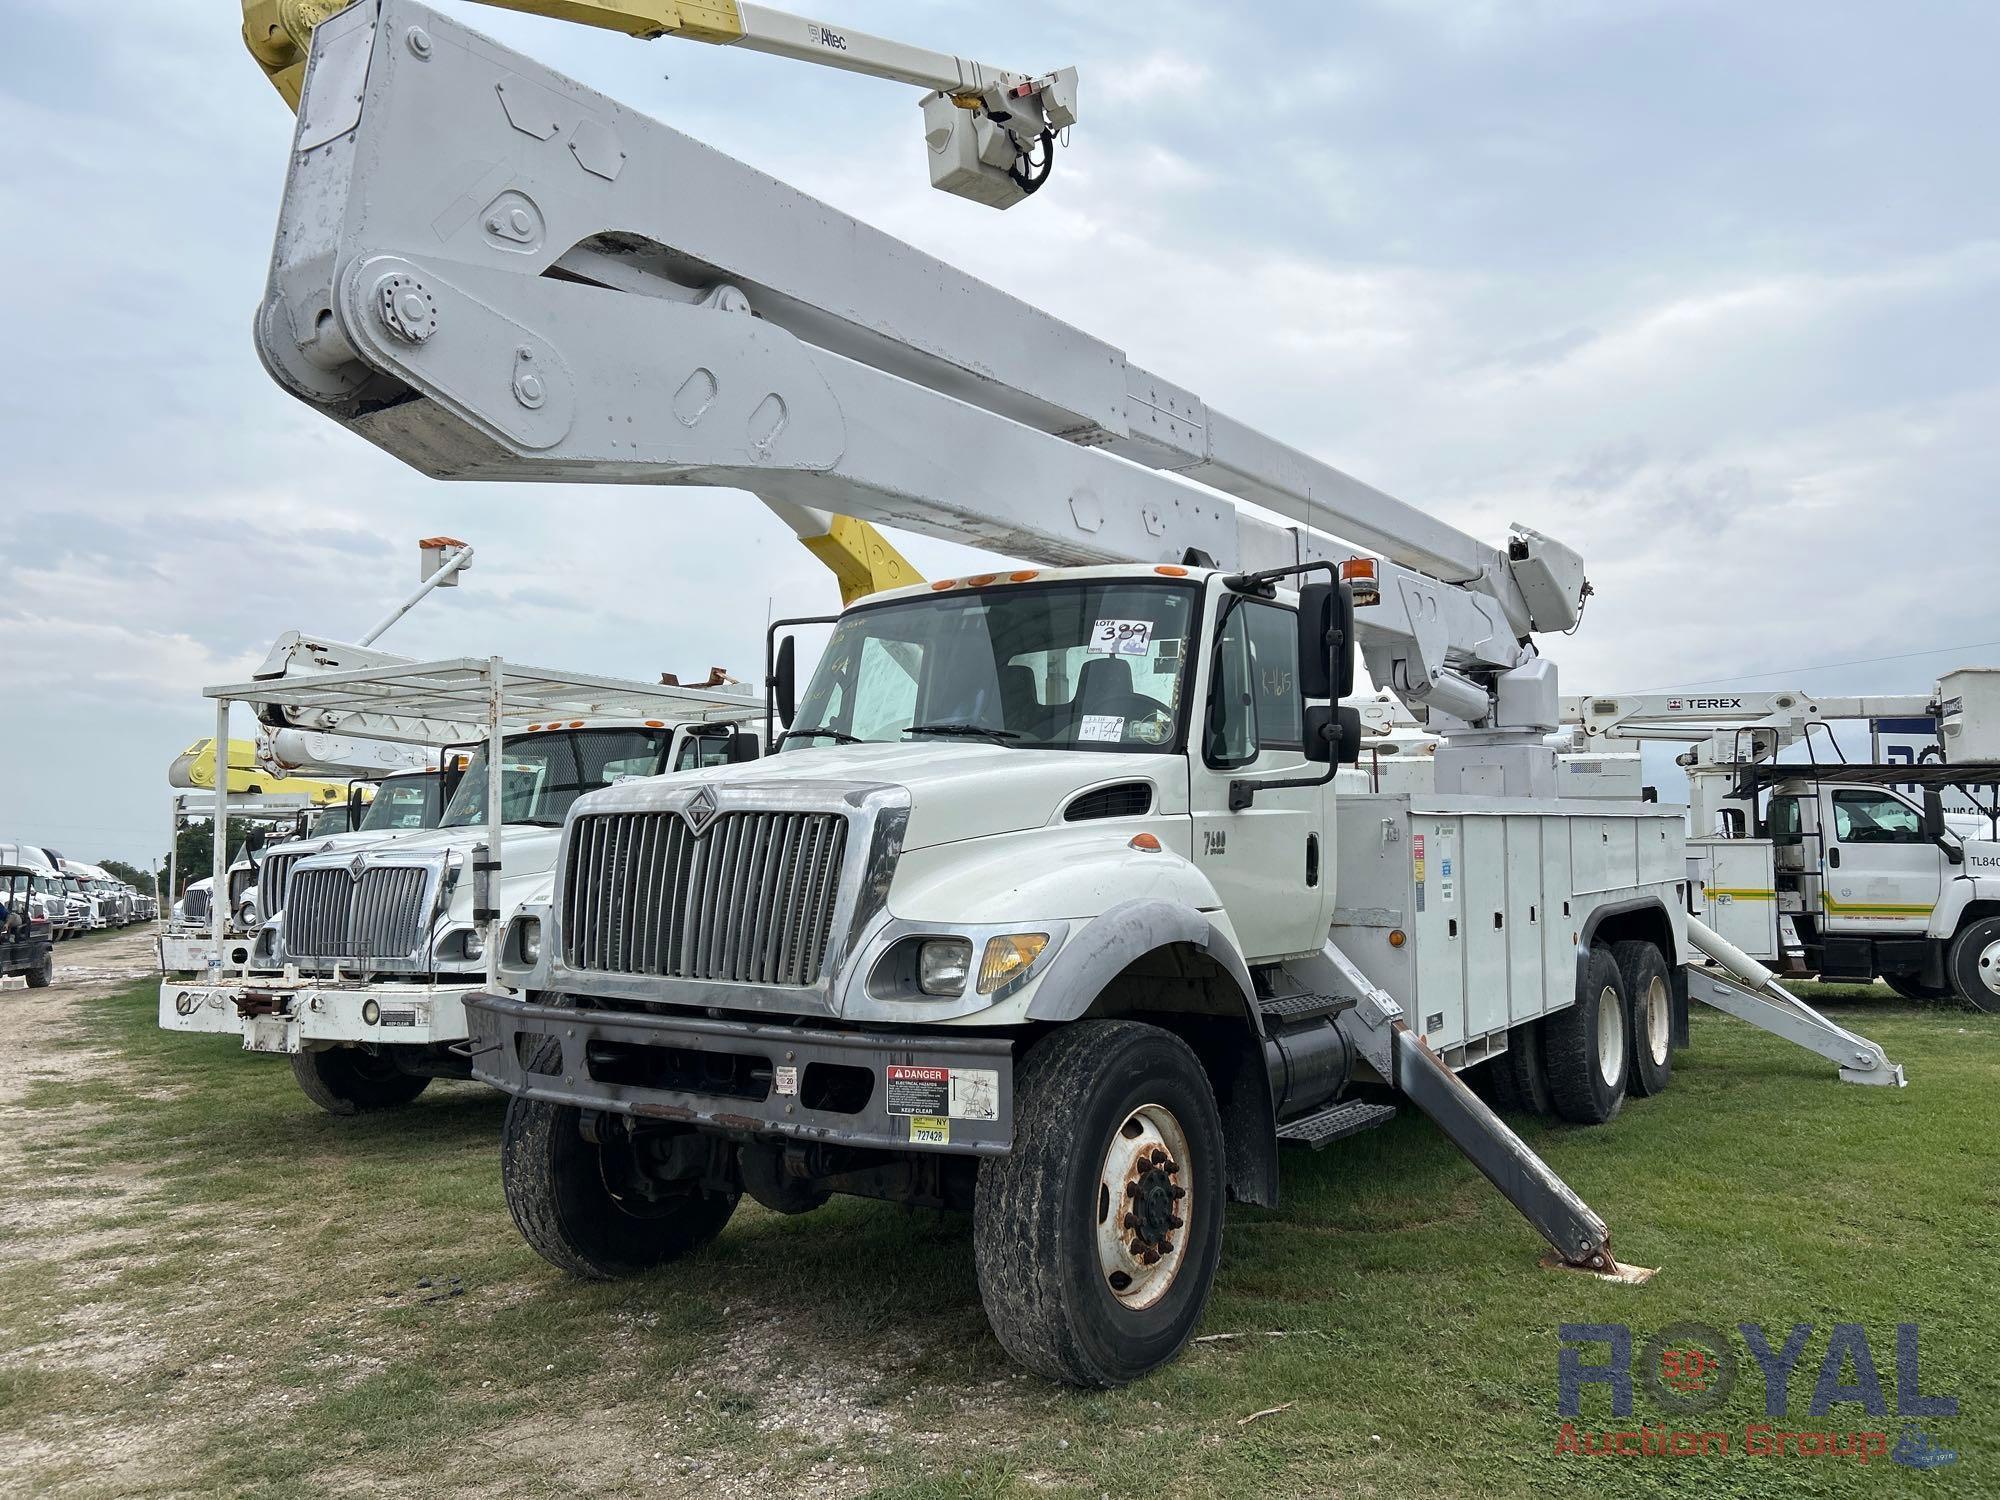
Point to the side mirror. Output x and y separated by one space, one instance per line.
1934 828
784 680
742 746
1333 734
1326 641
254 840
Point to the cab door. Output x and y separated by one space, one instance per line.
1879 874
1272 862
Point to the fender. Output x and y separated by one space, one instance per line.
1107 946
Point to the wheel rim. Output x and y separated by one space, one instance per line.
1145 1203
1658 1018
1610 1036
1989 967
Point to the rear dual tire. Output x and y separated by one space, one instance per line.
1649 1011
1587 1047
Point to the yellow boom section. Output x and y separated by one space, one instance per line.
194 768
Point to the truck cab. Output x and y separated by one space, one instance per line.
1877 881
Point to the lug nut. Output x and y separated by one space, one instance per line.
1131 1221
1175 1221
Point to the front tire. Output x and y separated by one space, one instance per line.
348 1081
579 1204
1649 1014
43 973
1587 1047
1097 1238
1973 965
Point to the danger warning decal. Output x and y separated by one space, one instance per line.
943 1093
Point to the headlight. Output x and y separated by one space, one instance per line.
942 964
531 940
475 945
1009 956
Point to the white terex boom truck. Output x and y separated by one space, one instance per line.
1860 856
1049 908
369 941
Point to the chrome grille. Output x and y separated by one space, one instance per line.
271 880
239 882
749 902
330 914
194 903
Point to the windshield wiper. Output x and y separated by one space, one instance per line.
979 730
837 736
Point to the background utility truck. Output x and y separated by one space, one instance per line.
1047 910
372 939
1859 858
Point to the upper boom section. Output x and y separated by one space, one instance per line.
991 134
494 273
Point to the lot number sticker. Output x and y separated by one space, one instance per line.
1120 637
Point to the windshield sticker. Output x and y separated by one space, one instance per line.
1102 727
1153 729
1120 637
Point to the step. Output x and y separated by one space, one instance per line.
1303 1007
1336 1122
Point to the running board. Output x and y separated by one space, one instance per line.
1376 1029
1778 1011
1335 1123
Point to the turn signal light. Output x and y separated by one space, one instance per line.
1397 937
1145 842
1008 956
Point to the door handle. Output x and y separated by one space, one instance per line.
1833 856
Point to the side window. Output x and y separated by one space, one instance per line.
1232 700
885 691
1874 818
1274 676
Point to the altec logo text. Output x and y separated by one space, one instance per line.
1688 1371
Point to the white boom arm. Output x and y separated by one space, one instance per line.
990 134
1726 730
493 273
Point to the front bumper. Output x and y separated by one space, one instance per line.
280 1015
932 1091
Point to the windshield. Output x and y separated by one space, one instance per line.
544 773
1083 666
407 802
328 820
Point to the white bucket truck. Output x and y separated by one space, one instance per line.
358 972
1843 869
1050 909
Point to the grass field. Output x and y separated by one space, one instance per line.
207 1286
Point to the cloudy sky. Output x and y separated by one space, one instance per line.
1710 291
